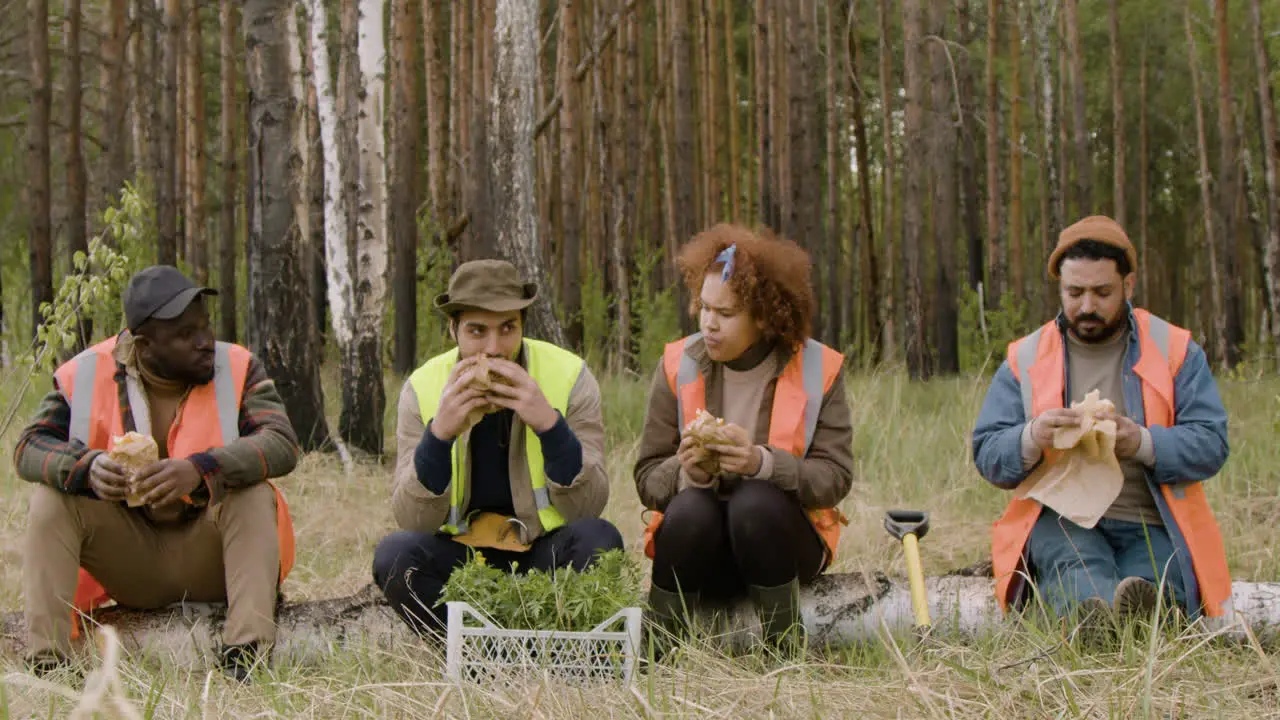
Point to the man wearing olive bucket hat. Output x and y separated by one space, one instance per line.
500 447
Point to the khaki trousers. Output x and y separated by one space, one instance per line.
229 553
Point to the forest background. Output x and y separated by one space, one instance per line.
335 160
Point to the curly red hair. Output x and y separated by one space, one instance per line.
771 277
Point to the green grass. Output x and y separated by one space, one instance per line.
911 445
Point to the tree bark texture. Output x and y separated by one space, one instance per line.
1270 160
77 183
915 68
278 294
167 157
512 114
403 182
1079 128
1229 195
39 233
227 235
941 145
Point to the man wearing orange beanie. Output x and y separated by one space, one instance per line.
1171 435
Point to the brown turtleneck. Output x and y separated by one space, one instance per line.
164 398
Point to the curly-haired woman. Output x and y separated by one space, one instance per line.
749 507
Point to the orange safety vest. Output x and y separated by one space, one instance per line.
208 418
797 400
1038 361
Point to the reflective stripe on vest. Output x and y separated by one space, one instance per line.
555 370
1038 362
226 397
797 403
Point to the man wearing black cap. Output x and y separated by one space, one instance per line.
200 524
500 447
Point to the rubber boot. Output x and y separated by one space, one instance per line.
779 609
669 618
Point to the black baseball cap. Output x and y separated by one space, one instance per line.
161 292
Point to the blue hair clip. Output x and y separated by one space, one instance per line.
726 256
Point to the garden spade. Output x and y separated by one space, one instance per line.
909 526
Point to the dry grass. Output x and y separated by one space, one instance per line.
912 450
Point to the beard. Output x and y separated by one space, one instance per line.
1093 328
187 375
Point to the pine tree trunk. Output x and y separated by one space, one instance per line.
512 114
1144 183
227 244
717 105
1016 264
995 257
888 185
1079 129
628 180
1050 221
167 158
153 78
141 67
1228 192
278 295
802 221
479 239
460 110
683 206
403 182
766 194
1219 343
1117 116
835 170
434 19
182 201
780 115
731 109
116 131
77 192
915 64
39 237
864 236
198 256
940 132
1270 160
969 151
570 173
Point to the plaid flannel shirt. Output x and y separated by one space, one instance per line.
267 447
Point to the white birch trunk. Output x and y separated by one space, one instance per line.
841 609
337 259
371 224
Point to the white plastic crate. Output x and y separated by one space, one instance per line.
478 649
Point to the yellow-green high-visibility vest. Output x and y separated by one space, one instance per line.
555 370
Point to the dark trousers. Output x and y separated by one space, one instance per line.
757 535
411 568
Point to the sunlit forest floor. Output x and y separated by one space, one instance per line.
911 445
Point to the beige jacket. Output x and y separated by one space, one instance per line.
417 508
821 479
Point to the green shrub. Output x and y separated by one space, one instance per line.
985 332
657 315
562 599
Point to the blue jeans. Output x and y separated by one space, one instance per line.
1071 563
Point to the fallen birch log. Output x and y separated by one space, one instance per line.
837 610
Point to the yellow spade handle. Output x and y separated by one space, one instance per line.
915 574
